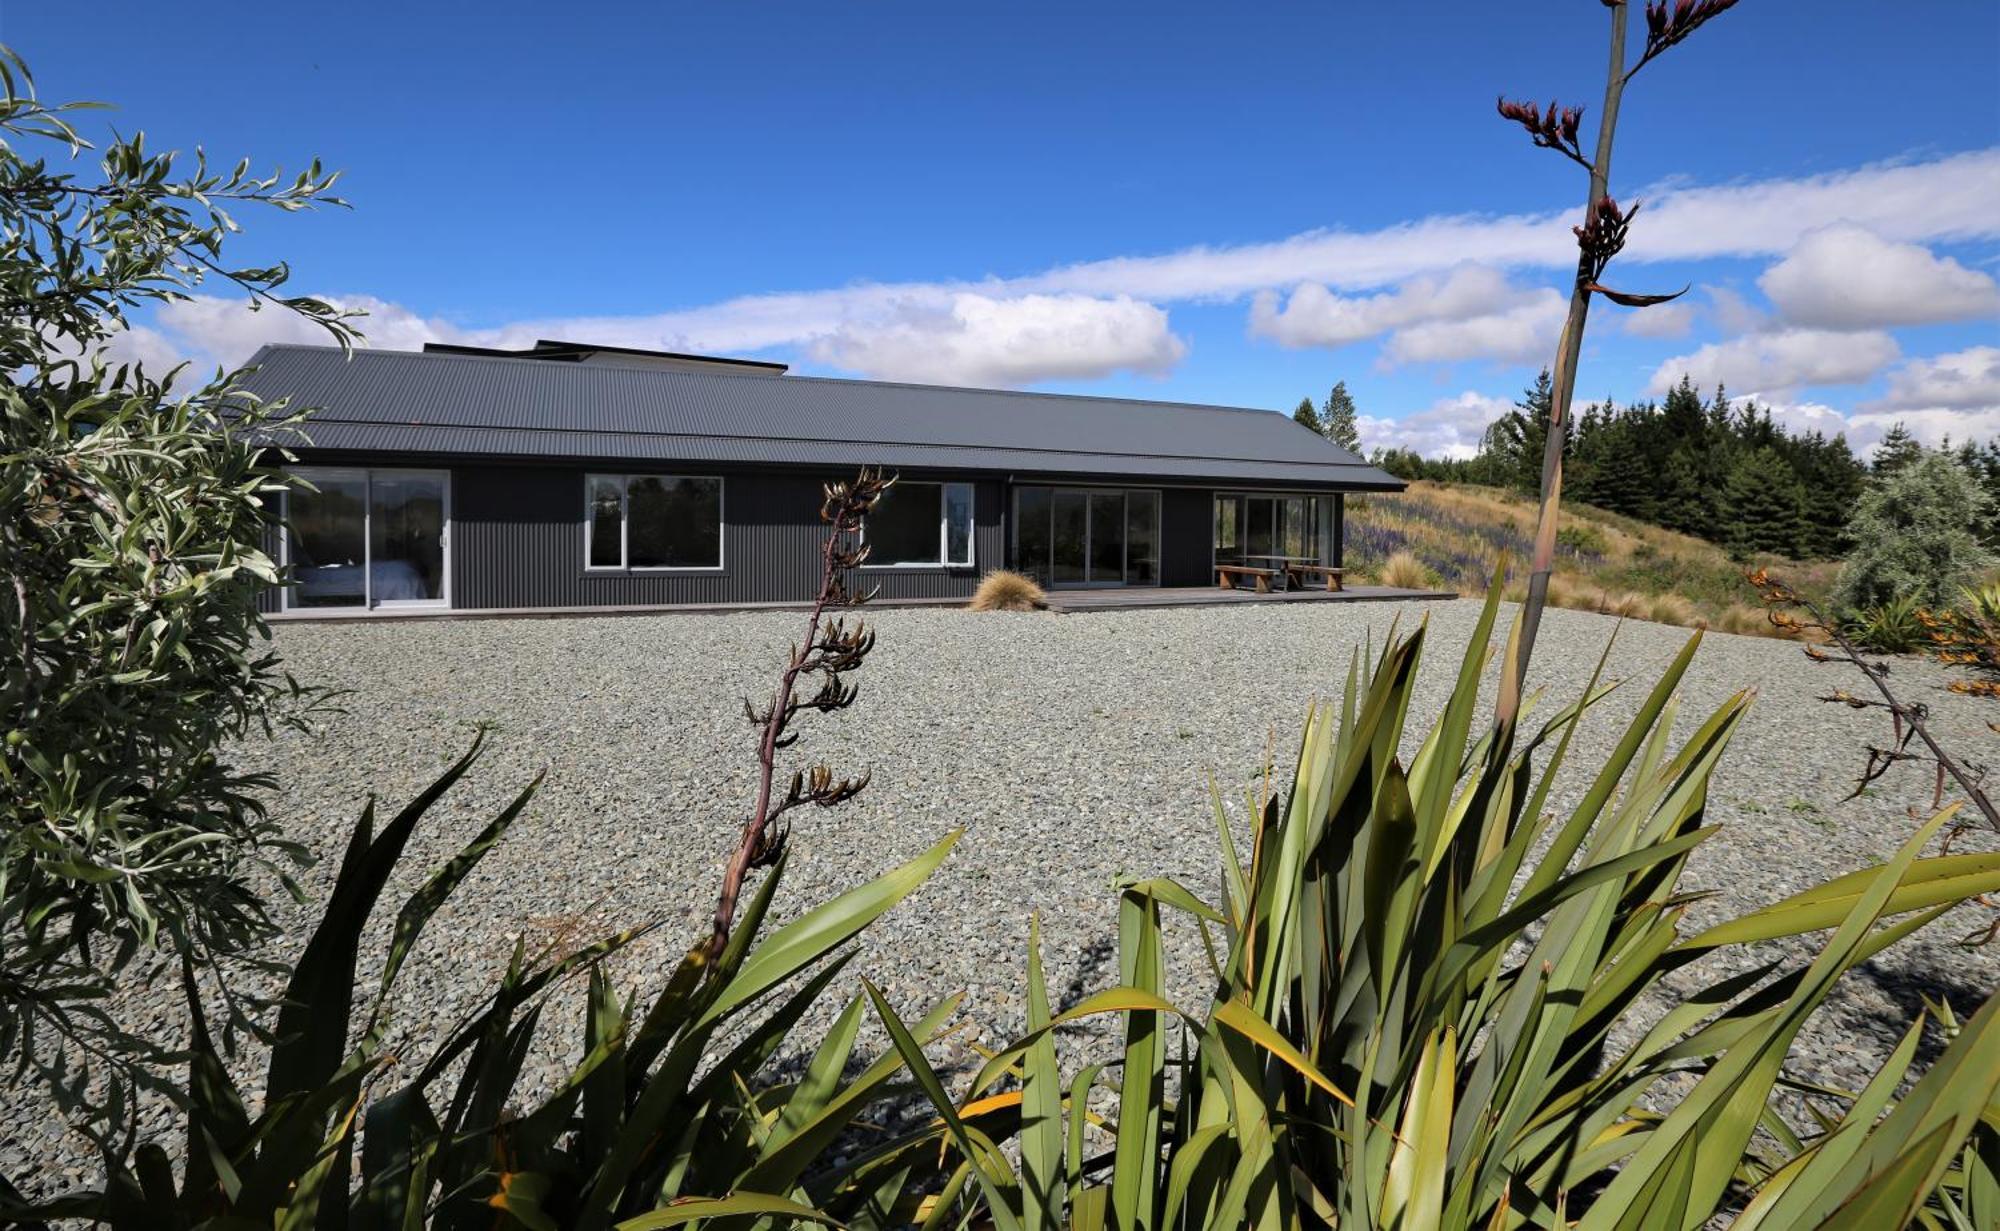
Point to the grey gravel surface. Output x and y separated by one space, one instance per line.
1070 750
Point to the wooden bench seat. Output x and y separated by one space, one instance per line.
1227 575
1303 573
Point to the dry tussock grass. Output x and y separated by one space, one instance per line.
1005 590
1405 572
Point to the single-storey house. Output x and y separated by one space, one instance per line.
575 476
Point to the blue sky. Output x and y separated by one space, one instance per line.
1238 204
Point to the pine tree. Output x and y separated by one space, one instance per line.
1516 439
1897 450
1684 499
1306 416
1766 504
1834 479
1337 419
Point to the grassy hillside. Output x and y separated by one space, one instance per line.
1604 561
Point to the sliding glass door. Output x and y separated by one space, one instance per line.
1259 528
364 539
1087 536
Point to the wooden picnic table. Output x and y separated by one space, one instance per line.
1280 564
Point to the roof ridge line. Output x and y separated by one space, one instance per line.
792 377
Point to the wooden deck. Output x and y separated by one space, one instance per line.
1131 597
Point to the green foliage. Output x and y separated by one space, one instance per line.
1582 536
1915 537
1516 440
1412 1021
132 524
1338 419
1307 417
1766 504
1894 627
1680 464
1897 449
664 1104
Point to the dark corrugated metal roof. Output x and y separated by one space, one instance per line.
405 402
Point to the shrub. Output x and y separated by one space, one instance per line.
1582 537
1894 627
1914 538
1006 590
1412 1021
652 1112
1403 571
132 521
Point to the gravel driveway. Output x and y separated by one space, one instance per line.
1071 749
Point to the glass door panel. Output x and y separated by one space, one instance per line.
1228 529
1260 526
1070 539
329 543
1107 538
1142 538
406 537
1032 507
1295 527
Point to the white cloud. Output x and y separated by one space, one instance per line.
1930 424
1667 320
1470 312
1864 430
1966 379
978 340
1847 277
1782 360
1735 314
1449 427
1524 332
1943 199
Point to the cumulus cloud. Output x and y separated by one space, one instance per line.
1847 277
980 340
1470 312
1967 379
1449 427
1946 198
1941 199
1782 360
1667 320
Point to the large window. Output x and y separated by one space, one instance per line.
920 523
652 521
366 538
1087 536
1262 529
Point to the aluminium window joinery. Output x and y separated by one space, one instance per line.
652 521
917 524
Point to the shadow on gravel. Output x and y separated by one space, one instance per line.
1908 989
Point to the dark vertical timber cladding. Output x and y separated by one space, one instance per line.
1187 537
517 541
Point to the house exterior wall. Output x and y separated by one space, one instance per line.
517 540
1187 537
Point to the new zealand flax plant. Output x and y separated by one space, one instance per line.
669 1116
1418 975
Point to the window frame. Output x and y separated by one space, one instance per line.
944 528
624 565
369 604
